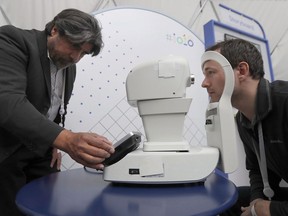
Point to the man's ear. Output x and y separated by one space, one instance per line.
243 69
54 31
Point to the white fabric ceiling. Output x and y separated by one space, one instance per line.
271 14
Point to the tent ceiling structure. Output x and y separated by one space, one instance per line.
193 14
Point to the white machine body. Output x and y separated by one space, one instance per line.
164 167
158 89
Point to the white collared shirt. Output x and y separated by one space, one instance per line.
56 91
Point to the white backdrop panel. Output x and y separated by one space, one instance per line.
132 36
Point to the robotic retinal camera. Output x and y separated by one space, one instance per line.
158 89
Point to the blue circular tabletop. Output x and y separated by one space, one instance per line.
82 193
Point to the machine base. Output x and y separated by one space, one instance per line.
164 167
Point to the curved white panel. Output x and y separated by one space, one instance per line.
133 36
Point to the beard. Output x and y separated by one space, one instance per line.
61 61
60 58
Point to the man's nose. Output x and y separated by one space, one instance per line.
205 83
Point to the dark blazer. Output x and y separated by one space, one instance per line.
25 91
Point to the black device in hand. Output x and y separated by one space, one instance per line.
128 143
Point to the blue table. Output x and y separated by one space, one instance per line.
82 193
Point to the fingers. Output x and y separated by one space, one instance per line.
52 161
100 142
245 211
89 149
89 161
56 158
59 160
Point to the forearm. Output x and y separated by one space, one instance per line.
22 121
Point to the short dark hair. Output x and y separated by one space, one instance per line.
78 28
239 50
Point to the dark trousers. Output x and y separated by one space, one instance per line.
16 171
